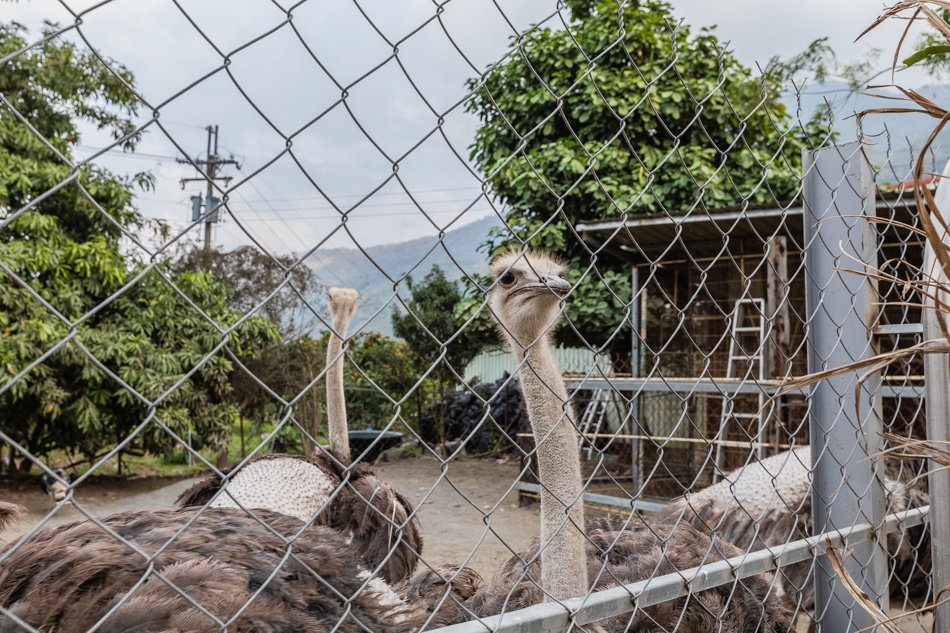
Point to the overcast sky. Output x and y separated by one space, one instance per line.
280 207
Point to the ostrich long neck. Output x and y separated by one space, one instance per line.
563 553
336 401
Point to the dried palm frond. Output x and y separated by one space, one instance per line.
933 285
934 227
880 618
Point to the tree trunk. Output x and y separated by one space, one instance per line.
222 459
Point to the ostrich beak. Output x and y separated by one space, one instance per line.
544 287
557 285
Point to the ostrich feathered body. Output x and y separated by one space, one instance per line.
65 579
289 484
9 513
622 550
375 520
768 503
759 503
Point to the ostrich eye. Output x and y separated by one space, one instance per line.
507 279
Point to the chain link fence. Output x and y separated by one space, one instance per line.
713 243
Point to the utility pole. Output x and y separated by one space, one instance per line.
210 203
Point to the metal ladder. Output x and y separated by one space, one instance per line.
740 360
592 420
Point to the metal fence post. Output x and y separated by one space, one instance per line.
635 345
937 402
845 427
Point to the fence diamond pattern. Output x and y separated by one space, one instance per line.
702 270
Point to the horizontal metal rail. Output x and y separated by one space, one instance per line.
635 505
898 329
553 617
717 386
678 385
672 439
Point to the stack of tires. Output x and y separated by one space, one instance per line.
465 418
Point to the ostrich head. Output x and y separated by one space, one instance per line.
56 487
527 293
342 303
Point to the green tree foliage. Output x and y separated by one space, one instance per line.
438 337
75 297
430 325
252 276
933 51
379 372
626 112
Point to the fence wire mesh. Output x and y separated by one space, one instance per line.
369 461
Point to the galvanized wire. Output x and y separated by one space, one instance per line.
697 406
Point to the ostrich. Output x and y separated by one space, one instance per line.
768 503
56 486
342 309
9 513
573 556
366 508
67 579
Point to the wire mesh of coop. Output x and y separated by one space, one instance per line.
697 284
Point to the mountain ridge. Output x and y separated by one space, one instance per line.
352 268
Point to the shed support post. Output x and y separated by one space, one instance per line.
845 427
777 288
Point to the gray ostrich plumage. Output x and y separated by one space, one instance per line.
66 579
620 550
768 503
9 513
377 520
374 518
594 553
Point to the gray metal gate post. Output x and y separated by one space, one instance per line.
937 403
838 188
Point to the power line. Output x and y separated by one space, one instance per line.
130 154
372 205
359 216
250 182
375 195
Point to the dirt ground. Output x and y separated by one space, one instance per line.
469 513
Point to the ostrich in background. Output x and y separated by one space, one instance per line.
573 556
378 519
768 503
56 486
66 579
342 309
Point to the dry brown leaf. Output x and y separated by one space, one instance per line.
862 598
